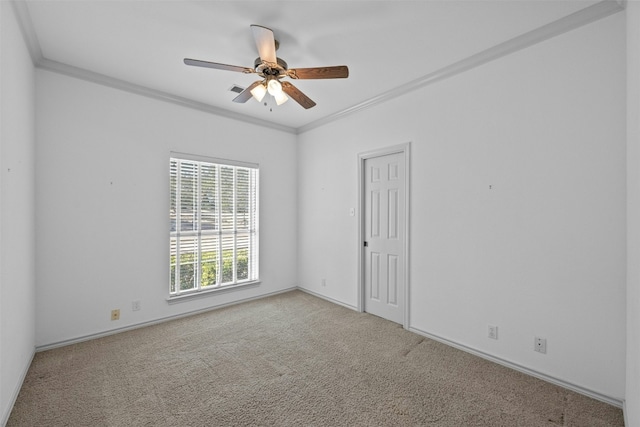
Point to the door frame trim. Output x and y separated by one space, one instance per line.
406 150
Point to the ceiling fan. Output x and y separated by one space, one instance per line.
272 70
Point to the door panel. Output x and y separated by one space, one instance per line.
392 289
375 213
374 283
393 213
384 275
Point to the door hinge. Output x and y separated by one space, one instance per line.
366 244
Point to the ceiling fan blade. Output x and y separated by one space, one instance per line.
217 66
298 96
265 42
245 95
337 72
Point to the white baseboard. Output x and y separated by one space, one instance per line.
16 391
573 387
154 321
326 298
624 413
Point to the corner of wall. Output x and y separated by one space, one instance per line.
14 396
632 386
17 208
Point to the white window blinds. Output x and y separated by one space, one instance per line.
213 235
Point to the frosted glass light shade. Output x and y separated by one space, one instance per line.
274 87
281 98
259 92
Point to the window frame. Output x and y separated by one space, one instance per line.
220 233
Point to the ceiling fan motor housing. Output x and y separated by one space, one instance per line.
269 69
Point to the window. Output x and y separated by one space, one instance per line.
213 212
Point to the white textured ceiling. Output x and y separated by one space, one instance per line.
386 44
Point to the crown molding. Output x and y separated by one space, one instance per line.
81 73
33 45
577 19
26 27
570 22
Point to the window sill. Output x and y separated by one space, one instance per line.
206 293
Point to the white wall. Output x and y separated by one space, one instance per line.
17 200
543 252
632 410
102 189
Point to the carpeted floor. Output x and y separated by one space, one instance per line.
287 360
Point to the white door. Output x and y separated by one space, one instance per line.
384 210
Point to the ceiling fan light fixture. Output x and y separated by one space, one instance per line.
281 98
259 92
274 87
271 69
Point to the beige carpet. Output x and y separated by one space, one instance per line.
287 360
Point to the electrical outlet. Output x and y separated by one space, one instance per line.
493 332
324 282
115 314
540 345
135 305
